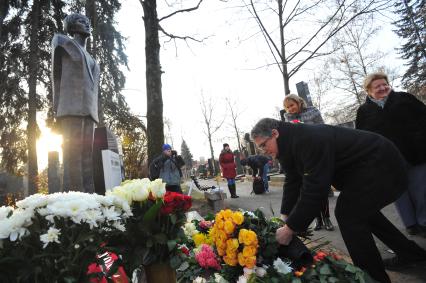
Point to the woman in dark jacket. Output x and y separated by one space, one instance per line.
298 112
400 117
228 166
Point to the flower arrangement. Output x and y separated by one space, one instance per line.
51 238
248 251
153 233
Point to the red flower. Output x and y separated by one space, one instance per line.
174 202
320 256
295 121
184 249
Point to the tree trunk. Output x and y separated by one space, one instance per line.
4 9
155 127
32 127
283 57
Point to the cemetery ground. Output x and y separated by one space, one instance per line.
271 203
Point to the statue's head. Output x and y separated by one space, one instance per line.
77 23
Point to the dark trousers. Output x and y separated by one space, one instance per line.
173 188
357 228
77 133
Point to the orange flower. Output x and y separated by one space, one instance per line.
300 272
230 260
238 218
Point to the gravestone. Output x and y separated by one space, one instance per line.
111 168
303 92
104 140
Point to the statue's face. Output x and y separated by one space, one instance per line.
81 25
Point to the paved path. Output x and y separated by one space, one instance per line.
271 203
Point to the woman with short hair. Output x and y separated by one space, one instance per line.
400 117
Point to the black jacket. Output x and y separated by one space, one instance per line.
402 120
256 163
367 168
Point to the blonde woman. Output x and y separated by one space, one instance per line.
298 112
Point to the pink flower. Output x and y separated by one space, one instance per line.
206 258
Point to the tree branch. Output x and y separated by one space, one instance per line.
181 11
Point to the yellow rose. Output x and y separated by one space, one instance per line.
232 244
238 218
241 259
222 236
229 227
241 235
249 251
250 261
219 223
227 213
250 238
220 252
232 261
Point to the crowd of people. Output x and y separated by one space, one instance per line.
382 161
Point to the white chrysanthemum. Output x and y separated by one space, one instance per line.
190 229
158 188
282 267
110 213
33 201
16 225
199 280
119 226
4 211
51 236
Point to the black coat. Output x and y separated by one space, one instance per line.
256 163
402 120
367 168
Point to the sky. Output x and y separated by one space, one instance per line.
228 63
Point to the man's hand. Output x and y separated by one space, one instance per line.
284 235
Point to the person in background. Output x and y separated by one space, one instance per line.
228 166
367 169
260 167
167 166
400 117
298 112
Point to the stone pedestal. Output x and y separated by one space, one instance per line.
216 200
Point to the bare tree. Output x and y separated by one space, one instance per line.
235 113
155 128
212 125
325 18
321 83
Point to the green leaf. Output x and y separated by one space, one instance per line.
171 244
333 279
325 270
151 213
296 280
350 268
173 218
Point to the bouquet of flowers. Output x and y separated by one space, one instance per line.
153 233
245 244
54 238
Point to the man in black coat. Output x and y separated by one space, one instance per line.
400 117
368 170
259 164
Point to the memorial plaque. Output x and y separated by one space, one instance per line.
111 168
